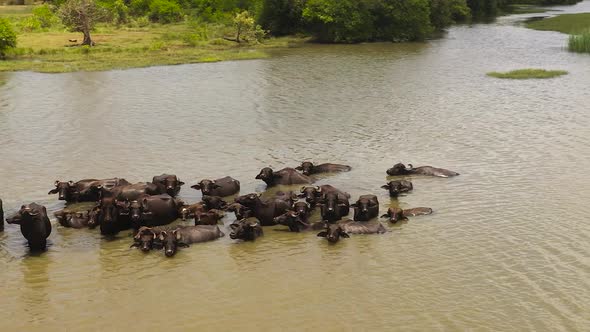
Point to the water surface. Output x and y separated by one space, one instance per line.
506 250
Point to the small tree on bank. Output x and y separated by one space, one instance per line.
7 37
246 29
81 16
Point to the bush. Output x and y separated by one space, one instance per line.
246 29
45 16
165 11
7 37
406 20
120 12
282 17
446 12
139 7
29 24
339 20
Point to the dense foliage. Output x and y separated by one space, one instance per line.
340 21
7 37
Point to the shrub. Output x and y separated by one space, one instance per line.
139 7
120 12
7 37
339 20
45 16
282 17
29 24
406 20
246 29
165 11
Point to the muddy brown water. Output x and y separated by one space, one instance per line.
507 248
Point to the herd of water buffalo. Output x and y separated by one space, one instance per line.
149 207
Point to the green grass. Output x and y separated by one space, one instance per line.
522 74
566 23
579 43
129 47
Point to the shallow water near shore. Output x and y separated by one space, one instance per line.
506 249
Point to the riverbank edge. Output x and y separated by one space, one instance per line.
104 58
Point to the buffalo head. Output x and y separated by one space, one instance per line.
206 186
63 189
400 169
244 230
171 241
305 168
333 233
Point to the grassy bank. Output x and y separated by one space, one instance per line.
129 47
566 23
577 25
521 74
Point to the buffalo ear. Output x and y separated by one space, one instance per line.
144 204
177 234
180 183
183 245
162 235
299 168
234 226
354 205
385 216
134 245
322 234
385 186
196 186
53 191
344 234
259 176
216 186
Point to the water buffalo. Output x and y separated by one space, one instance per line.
223 187
366 208
295 222
184 236
303 209
312 194
265 210
1 217
188 211
241 211
147 238
246 229
151 211
397 187
396 214
308 168
333 207
210 217
73 219
214 202
112 217
333 232
286 176
401 169
168 183
34 225
85 190
132 192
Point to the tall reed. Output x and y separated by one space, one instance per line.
579 43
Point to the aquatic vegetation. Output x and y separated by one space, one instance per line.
521 74
579 43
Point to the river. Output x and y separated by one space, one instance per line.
507 248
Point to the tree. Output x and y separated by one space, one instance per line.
340 21
246 29
282 17
7 37
81 16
